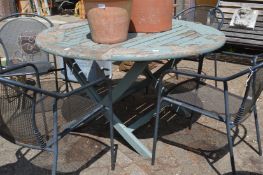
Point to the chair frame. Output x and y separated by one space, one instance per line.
49 24
213 8
201 57
162 98
53 145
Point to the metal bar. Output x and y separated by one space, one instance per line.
159 101
65 75
255 109
55 137
215 66
110 109
257 131
228 129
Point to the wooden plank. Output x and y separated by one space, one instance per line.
231 10
241 4
258 24
249 38
257 31
244 35
241 41
229 16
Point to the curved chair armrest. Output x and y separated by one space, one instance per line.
180 13
20 66
215 8
27 14
207 77
50 93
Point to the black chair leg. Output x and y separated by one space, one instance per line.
55 159
257 131
230 147
191 120
113 151
215 67
200 64
200 67
55 138
113 157
156 127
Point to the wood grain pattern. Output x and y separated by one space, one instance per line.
185 39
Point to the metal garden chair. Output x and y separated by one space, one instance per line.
207 15
197 96
20 124
17 37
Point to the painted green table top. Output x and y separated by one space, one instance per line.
186 39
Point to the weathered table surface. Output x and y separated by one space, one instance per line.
185 39
73 41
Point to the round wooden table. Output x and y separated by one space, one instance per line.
186 39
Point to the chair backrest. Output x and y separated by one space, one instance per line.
17 37
236 36
253 90
204 14
18 122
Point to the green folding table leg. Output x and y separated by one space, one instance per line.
121 87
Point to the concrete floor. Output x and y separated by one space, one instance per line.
180 151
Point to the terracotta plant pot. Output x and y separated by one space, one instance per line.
151 15
108 20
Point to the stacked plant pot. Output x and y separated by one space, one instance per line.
108 20
151 15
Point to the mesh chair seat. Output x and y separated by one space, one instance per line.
16 121
206 97
76 106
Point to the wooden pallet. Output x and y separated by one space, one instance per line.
245 37
24 6
42 7
82 12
